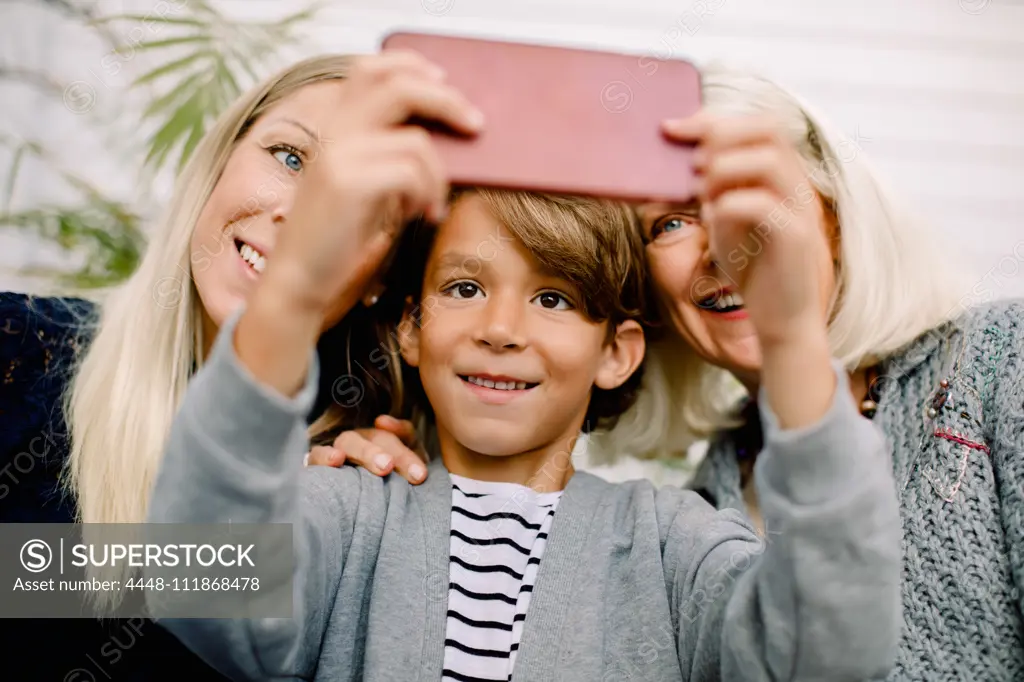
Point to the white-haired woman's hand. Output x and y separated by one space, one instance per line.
766 227
391 446
769 235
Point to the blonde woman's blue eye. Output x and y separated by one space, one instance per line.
553 301
289 159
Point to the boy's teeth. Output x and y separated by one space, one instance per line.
498 385
260 263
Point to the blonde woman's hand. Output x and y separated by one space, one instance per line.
371 172
387 448
765 225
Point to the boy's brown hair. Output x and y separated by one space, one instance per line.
594 244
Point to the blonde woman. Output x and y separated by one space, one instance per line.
88 392
940 374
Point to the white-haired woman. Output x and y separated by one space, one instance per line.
88 391
941 377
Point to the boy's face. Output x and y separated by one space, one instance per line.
506 357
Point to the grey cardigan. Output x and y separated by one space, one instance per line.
636 583
960 474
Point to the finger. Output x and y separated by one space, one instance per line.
394 62
691 129
726 133
743 209
400 185
762 166
403 163
420 188
402 428
360 451
407 462
415 142
325 455
404 98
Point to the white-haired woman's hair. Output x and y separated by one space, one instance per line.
148 341
889 289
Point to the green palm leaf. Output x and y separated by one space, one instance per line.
108 241
106 235
209 60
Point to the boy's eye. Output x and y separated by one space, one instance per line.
463 290
553 301
288 156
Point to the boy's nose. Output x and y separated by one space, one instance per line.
501 327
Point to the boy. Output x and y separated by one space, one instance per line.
506 564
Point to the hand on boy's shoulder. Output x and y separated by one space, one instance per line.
391 447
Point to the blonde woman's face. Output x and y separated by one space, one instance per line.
695 297
239 225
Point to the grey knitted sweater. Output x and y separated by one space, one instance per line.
960 475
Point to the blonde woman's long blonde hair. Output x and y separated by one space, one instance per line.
127 387
889 290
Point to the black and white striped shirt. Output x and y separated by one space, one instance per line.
498 535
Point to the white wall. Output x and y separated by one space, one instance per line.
934 89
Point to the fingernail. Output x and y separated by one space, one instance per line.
382 461
417 471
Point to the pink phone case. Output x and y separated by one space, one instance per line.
565 120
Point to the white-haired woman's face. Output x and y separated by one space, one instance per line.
696 299
238 227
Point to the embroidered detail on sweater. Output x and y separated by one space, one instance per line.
950 434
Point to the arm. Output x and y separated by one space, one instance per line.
820 597
235 453
1006 412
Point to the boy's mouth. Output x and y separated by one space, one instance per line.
497 382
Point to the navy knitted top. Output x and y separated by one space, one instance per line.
39 340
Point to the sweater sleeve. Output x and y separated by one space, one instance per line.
1005 414
235 454
818 598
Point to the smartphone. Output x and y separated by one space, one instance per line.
564 120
